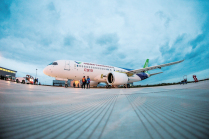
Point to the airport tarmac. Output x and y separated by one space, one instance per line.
31 111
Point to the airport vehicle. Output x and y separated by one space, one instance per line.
28 79
184 81
69 69
10 78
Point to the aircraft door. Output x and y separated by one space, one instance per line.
67 65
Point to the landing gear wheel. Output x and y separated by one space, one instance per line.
128 85
66 85
108 86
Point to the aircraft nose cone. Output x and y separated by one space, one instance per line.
45 71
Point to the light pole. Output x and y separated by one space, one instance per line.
36 72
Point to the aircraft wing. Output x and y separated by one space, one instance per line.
155 73
130 73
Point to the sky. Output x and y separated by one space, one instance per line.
122 33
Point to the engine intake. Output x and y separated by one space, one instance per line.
115 78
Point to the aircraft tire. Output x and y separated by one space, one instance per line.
108 86
128 85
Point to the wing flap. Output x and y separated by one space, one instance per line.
151 68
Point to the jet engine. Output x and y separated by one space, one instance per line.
115 78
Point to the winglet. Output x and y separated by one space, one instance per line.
146 65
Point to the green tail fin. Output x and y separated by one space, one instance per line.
146 64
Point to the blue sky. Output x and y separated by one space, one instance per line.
117 33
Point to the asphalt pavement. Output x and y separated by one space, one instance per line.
32 111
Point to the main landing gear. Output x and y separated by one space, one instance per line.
126 86
108 86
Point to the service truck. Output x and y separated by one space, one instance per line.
25 80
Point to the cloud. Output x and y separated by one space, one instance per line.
5 9
107 39
165 19
122 34
51 6
69 41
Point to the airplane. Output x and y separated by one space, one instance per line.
112 76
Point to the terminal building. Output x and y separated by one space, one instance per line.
5 71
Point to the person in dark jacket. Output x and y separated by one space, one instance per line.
34 82
88 82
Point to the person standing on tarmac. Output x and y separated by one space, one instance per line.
84 82
34 82
88 82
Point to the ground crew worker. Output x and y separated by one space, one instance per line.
84 82
34 81
88 82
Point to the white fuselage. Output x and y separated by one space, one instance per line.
69 69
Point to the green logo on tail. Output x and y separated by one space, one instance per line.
146 65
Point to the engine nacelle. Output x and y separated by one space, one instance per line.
116 78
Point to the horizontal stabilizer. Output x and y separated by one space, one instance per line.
155 73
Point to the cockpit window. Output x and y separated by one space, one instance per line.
53 63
